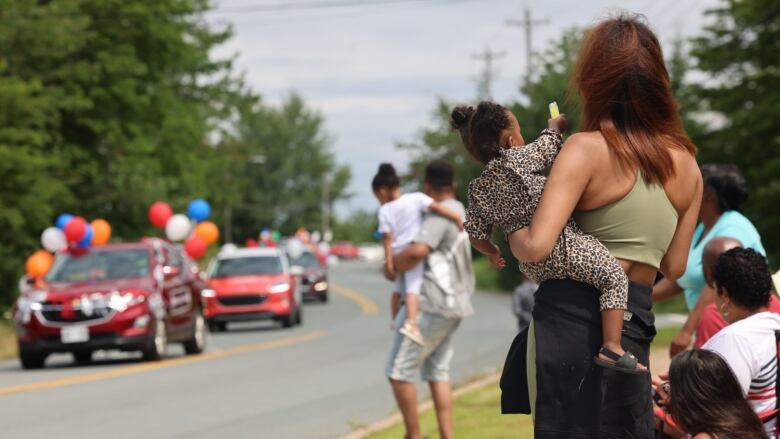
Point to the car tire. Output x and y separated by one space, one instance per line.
31 361
157 344
324 297
217 326
288 321
82 357
197 343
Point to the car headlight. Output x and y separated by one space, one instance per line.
279 287
121 301
321 286
208 292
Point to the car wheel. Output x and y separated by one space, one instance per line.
82 357
217 326
324 297
289 320
31 361
158 343
197 343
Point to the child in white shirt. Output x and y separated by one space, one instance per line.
400 219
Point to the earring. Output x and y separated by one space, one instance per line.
724 310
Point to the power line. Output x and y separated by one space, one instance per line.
529 25
485 80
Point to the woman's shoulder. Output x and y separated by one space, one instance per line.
705 436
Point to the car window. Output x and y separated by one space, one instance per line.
100 265
247 266
306 260
172 257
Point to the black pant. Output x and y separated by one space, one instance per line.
576 398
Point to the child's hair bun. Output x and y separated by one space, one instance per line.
461 116
386 169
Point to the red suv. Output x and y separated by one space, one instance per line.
131 297
252 284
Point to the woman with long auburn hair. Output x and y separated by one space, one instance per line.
630 179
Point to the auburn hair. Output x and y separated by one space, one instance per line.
625 92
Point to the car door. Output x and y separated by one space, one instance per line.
177 293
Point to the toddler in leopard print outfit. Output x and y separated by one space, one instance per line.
506 195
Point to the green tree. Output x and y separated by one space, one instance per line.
740 95
290 169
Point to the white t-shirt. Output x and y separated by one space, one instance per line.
403 217
750 349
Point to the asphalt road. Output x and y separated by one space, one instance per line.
319 380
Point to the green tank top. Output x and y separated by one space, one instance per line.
639 227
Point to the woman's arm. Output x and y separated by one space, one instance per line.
683 339
568 179
665 289
676 258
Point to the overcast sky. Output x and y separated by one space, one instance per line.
375 71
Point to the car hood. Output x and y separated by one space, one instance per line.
78 288
245 284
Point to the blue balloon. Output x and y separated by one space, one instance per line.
62 220
378 235
86 241
199 210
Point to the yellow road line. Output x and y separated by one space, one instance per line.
148 367
367 305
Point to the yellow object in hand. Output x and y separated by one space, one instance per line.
554 110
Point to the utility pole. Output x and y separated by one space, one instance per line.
528 24
485 80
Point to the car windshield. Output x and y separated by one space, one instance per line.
247 266
100 265
306 260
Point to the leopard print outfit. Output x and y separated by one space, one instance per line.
506 195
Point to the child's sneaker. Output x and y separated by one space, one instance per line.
410 330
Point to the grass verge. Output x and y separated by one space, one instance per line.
487 276
7 340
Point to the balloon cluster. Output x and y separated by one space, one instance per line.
68 231
193 229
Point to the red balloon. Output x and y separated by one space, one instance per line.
159 213
195 247
250 242
75 229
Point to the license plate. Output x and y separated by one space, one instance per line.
74 334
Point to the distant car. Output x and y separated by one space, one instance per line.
252 284
370 252
344 250
313 274
130 297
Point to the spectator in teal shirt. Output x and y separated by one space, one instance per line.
725 190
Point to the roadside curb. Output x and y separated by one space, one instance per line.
396 418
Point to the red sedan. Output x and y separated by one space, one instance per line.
252 284
344 250
128 297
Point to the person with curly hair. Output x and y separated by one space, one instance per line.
748 344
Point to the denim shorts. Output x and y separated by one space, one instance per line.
431 360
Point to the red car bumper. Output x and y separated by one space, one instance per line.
244 307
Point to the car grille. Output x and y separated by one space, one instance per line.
58 313
241 300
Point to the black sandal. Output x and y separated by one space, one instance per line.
624 364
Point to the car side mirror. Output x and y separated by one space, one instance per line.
296 270
170 271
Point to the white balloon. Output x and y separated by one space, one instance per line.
178 227
316 236
228 247
53 239
295 248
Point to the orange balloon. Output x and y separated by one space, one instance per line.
207 231
101 232
39 263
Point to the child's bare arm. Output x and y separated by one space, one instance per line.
451 215
387 243
490 250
